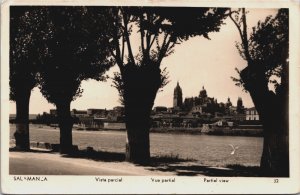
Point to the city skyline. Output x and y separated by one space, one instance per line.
195 63
234 103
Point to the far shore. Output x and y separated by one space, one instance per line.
180 130
195 131
221 132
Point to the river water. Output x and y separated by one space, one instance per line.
206 149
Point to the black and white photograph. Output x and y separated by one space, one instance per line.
161 92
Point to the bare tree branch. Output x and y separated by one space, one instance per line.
117 56
151 43
112 53
243 34
123 48
164 48
237 25
148 37
157 43
125 20
142 33
245 39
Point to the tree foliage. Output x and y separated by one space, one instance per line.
25 48
267 45
76 51
159 30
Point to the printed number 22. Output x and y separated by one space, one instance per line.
276 181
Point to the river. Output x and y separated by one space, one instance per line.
206 149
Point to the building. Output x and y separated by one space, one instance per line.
197 109
239 117
239 106
53 112
177 98
117 114
202 104
101 118
160 109
12 117
228 103
203 93
252 114
98 112
79 113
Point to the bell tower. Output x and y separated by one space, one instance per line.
177 98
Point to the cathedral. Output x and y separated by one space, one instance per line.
203 104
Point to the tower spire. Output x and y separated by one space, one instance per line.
177 99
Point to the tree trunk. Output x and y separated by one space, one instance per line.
22 119
140 87
65 126
272 109
138 142
275 157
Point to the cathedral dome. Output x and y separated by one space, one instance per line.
228 103
203 93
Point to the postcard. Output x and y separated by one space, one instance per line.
160 97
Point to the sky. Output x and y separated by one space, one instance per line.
195 63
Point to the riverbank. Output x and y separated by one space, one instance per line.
247 132
193 131
218 132
238 132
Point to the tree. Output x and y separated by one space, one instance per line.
76 51
266 53
159 29
25 25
